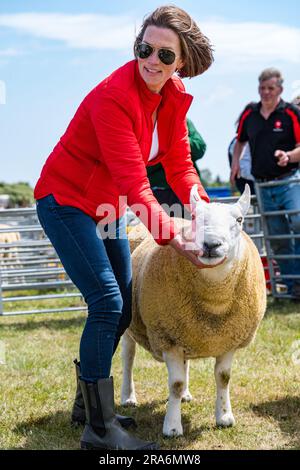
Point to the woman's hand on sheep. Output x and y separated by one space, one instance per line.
182 246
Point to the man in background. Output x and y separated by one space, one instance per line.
272 128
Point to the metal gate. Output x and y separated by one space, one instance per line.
29 267
275 277
31 271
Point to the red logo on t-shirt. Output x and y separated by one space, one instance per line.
278 124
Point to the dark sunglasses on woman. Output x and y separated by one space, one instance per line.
144 50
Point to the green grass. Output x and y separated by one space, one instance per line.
37 384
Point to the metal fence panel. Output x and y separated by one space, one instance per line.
271 256
28 262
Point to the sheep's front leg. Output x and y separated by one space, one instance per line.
128 397
224 416
174 360
186 395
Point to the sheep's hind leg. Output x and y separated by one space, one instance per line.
128 397
174 360
224 416
186 395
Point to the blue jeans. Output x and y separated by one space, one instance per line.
284 197
101 270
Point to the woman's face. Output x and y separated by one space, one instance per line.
154 72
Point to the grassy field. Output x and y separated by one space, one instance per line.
37 385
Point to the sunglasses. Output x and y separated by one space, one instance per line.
144 50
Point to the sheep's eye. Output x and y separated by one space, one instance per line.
239 220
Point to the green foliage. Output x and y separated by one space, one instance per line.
21 194
207 179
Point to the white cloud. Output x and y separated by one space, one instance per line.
77 31
235 43
255 42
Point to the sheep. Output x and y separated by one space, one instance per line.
181 312
137 234
8 237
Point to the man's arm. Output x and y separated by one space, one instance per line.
242 139
235 166
292 156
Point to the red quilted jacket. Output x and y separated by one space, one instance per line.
99 164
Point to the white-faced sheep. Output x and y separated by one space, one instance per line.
181 312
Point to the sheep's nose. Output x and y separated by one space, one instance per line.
211 246
210 249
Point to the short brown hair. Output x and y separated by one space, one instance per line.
196 49
271 72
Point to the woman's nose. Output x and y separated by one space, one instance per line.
153 58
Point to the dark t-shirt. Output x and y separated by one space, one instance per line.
281 131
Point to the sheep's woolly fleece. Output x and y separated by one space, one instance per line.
175 304
9 237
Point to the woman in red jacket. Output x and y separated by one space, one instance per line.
134 118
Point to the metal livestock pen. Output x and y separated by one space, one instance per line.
30 270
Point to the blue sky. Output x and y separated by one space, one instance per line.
53 52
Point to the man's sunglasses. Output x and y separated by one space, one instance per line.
144 50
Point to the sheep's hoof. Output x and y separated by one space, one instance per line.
186 397
129 402
172 431
226 421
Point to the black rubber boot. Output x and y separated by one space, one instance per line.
78 417
102 429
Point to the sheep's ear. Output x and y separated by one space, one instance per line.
244 200
194 197
196 203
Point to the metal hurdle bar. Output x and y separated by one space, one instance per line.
269 237
28 266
